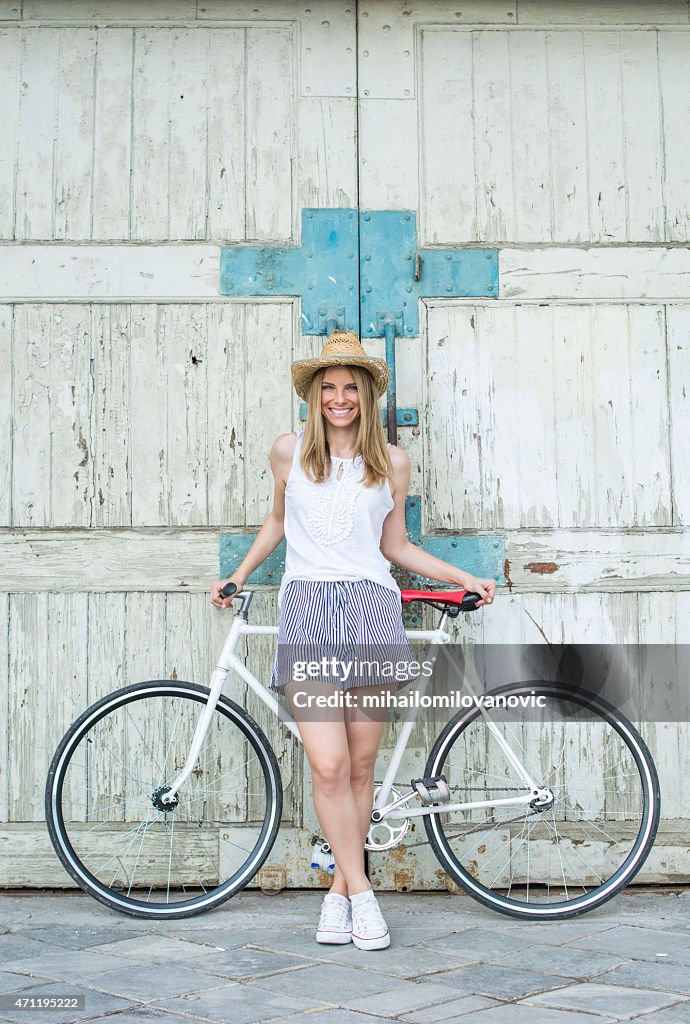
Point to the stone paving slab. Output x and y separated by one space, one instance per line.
660 976
336 985
145 984
498 982
404 997
639 943
563 961
620 1002
65 963
232 1003
520 1013
449 1011
97 1004
336 1017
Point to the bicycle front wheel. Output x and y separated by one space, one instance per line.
574 853
114 834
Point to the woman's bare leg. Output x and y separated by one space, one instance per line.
364 738
326 745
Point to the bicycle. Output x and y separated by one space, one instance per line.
164 798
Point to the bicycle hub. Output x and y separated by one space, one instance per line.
159 803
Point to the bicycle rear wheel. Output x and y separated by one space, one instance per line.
571 856
114 835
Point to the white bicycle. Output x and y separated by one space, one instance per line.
164 798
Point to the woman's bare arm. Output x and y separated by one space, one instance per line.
397 548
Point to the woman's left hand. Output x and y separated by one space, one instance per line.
485 588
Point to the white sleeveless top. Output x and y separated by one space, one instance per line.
333 529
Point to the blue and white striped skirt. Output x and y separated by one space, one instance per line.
349 632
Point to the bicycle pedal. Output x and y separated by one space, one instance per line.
433 790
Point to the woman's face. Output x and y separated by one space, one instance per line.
339 396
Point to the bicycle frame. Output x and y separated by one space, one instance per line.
438 638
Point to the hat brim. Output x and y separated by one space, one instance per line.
303 370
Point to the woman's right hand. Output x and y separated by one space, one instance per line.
217 586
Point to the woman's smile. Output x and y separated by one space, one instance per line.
339 396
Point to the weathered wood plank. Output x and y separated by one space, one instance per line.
170 560
269 135
37 126
674 53
31 418
678 348
4 701
61 273
28 715
603 561
268 337
183 330
27 859
6 411
188 133
643 135
74 136
111 10
71 400
148 418
111 427
226 128
567 136
605 157
385 183
531 141
328 50
640 272
494 160
447 173
112 139
9 89
227 364
327 156
592 12
150 206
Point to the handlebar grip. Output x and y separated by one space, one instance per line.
229 590
469 601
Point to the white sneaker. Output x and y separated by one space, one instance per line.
335 923
369 930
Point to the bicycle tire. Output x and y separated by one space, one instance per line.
60 764
626 871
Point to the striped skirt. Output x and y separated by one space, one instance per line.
345 632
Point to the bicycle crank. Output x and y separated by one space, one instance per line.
383 835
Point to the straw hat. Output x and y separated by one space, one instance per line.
343 348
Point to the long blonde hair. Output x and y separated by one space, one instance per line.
315 457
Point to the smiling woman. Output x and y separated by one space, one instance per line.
339 501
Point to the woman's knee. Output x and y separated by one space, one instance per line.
361 773
331 775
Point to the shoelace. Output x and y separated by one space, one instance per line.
369 918
334 916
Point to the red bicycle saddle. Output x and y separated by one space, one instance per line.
458 600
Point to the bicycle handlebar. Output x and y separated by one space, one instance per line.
469 601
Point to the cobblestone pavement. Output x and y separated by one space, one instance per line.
255 959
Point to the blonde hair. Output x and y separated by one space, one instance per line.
315 458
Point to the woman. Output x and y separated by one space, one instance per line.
339 501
